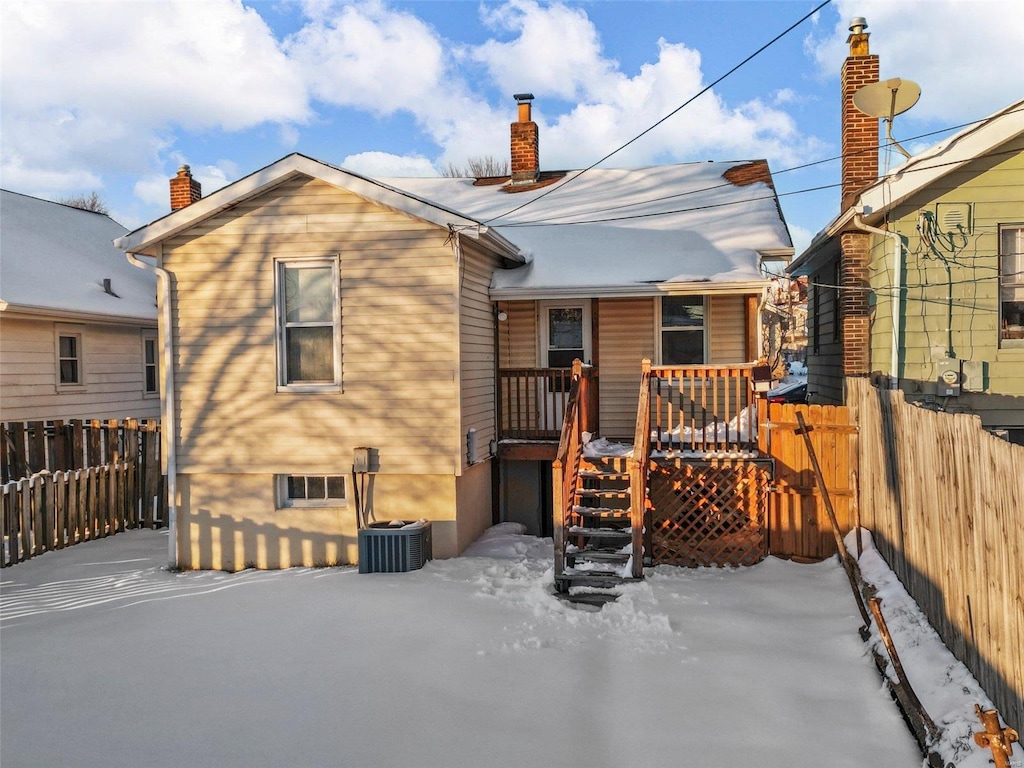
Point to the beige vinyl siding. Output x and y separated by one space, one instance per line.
627 335
111 370
477 353
398 390
518 335
727 329
955 287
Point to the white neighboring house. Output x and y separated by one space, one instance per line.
78 331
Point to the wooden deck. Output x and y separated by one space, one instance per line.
713 474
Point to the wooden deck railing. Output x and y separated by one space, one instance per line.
565 467
639 463
532 402
703 408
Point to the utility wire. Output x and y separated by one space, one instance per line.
666 117
554 222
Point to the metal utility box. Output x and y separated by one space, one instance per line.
384 548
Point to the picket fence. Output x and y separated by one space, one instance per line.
81 480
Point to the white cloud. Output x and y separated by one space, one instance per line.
382 164
556 51
368 57
964 55
102 85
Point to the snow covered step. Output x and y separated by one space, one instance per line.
602 474
599 556
618 534
602 493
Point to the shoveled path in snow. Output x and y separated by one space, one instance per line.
107 659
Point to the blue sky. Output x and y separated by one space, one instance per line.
113 96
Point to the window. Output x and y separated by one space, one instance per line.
682 330
309 324
1011 286
69 358
150 365
311 490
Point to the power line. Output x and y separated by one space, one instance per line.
554 222
666 117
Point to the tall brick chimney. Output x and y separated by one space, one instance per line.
860 131
525 144
184 189
860 168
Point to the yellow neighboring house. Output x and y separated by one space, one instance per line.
311 312
78 330
942 266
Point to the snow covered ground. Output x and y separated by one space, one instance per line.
109 660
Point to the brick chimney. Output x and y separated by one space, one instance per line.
525 144
860 131
184 189
860 168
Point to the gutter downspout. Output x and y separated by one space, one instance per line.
167 428
896 294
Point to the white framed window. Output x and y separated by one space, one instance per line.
565 333
150 364
1011 286
308 295
682 330
311 491
70 354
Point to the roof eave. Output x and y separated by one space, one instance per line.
626 291
70 315
142 240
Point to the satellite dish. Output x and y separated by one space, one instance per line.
887 99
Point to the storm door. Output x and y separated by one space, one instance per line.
565 336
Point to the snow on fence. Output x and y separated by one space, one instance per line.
65 483
943 499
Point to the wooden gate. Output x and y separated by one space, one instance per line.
708 512
798 524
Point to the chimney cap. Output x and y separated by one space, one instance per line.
858 24
521 97
184 168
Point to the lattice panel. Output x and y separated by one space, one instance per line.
709 513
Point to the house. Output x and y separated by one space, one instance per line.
315 312
78 330
919 277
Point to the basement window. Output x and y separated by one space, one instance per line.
1011 287
310 491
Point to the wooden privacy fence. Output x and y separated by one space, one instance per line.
798 524
944 501
88 480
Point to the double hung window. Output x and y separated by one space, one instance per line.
682 330
309 324
1011 286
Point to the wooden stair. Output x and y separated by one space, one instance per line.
598 536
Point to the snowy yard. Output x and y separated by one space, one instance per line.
109 660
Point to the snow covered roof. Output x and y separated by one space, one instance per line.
144 239
598 233
54 259
608 232
916 174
